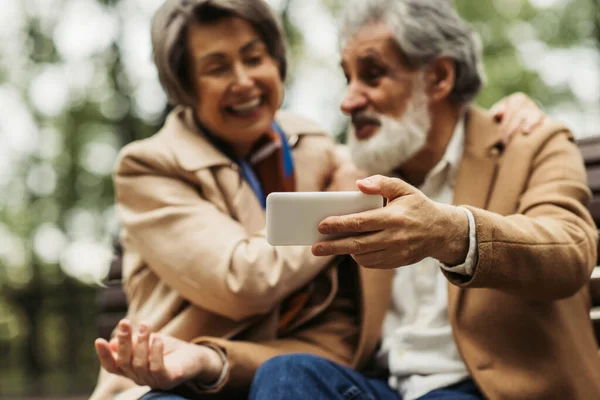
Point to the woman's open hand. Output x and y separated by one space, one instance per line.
157 360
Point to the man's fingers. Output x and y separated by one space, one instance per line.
390 188
354 245
106 356
369 185
367 221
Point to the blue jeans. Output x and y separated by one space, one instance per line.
304 376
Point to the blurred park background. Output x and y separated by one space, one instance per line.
77 83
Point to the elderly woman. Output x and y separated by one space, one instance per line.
191 201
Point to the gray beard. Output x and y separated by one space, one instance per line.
396 141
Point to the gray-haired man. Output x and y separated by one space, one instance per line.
494 302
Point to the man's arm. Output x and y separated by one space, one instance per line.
547 249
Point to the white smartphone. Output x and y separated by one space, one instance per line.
293 217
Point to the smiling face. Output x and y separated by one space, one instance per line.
236 81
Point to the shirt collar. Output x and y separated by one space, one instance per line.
455 148
453 154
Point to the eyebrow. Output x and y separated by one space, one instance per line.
369 55
250 45
221 56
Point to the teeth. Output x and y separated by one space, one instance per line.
247 106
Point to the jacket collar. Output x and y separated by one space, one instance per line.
476 174
195 151
482 134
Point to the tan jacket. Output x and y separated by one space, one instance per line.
197 263
522 321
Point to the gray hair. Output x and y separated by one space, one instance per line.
168 33
424 30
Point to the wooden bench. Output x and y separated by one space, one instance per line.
590 149
112 303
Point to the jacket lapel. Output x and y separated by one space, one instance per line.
476 174
192 149
196 154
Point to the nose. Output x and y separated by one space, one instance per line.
354 100
242 79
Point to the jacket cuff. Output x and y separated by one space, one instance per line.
468 266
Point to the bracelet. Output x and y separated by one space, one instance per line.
222 376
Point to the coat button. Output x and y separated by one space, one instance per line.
235 167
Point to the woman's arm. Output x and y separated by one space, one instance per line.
200 252
214 365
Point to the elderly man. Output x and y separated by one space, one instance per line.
489 296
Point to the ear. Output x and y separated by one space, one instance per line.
440 77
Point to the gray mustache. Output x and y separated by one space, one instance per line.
365 117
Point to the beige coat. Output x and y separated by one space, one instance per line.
522 322
197 262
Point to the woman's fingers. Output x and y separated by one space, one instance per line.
125 351
141 361
157 364
513 129
114 344
106 356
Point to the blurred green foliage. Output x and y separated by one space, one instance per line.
507 23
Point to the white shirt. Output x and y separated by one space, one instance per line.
418 347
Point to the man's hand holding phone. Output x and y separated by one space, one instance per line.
410 228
